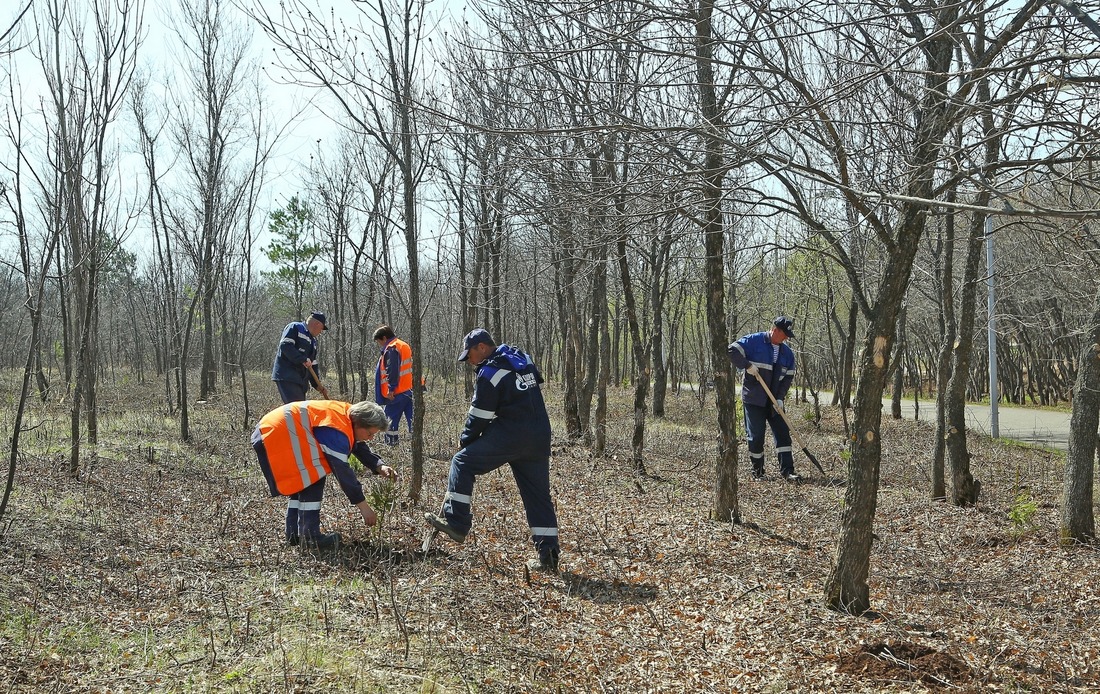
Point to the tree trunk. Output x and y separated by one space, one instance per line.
63 306
600 449
943 361
847 359
209 371
964 491
662 247
846 588
35 288
1078 524
570 330
597 316
714 166
496 285
91 380
899 368
641 363
416 483
185 347
24 392
85 369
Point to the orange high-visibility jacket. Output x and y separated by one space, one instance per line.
405 376
296 458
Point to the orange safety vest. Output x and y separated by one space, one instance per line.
405 378
294 454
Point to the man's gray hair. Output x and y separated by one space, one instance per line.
368 415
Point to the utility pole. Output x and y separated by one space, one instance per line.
994 392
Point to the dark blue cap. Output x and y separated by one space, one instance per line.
320 318
784 324
477 336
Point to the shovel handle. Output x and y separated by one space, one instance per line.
321 387
790 427
775 403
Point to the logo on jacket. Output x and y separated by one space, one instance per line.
525 381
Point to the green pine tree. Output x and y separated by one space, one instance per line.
293 251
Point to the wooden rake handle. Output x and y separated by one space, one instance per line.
790 427
324 391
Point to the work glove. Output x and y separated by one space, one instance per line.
751 369
779 403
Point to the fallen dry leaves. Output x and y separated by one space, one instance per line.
162 569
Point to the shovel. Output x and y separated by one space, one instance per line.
779 409
324 391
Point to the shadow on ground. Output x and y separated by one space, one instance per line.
603 590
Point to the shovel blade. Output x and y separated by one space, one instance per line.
429 535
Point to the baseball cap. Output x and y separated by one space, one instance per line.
784 324
477 336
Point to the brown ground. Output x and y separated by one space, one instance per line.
162 569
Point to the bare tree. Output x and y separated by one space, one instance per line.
357 202
944 277
253 186
34 263
167 285
1078 524
209 133
896 227
377 86
88 62
713 174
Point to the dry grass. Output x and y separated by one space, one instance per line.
162 569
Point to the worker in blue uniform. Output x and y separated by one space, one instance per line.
507 424
296 353
766 355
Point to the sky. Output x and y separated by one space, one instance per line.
299 110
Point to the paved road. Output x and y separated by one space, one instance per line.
1041 427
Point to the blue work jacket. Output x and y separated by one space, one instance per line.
508 407
758 349
294 348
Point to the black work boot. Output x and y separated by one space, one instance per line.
322 541
292 523
440 524
309 530
547 562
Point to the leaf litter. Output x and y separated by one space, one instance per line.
162 569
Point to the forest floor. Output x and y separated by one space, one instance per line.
162 568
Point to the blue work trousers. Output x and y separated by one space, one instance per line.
756 417
399 405
532 473
290 391
303 509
